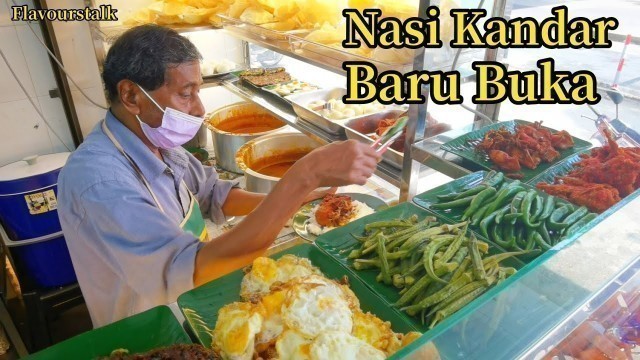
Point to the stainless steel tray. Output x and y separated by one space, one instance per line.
300 102
358 129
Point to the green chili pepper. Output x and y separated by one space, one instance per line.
512 218
517 201
484 224
531 242
477 216
506 195
537 208
508 236
549 206
501 213
496 236
580 223
454 204
526 209
493 179
470 192
477 201
555 220
545 233
540 241
575 216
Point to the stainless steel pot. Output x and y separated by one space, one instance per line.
265 147
226 144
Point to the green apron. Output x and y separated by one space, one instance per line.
193 222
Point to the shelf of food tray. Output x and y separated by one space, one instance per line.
144 332
597 179
187 13
519 148
276 81
332 211
213 69
325 109
370 128
259 33
299 301
324 45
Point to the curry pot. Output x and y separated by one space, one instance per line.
265 147
225 143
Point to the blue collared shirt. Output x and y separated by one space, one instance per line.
130 256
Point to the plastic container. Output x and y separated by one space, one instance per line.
28 213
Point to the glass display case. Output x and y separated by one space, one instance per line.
532 315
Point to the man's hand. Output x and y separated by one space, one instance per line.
337 164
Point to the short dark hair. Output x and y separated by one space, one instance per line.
143 54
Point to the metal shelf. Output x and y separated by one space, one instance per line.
429 153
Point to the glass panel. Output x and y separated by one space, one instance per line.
542 296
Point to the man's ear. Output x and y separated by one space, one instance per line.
129 96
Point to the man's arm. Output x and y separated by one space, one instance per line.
336 164
240 202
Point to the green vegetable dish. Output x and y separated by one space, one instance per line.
437 268
513 215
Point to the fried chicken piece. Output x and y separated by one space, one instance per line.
504 161
562 140
335 210
596 197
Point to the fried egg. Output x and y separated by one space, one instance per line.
235 331
266 271
291 345
272 325
375 332
313 308
339 345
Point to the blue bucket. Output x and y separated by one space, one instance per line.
28 210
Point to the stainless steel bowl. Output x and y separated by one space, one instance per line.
226 144
265 147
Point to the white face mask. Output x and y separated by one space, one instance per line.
176 129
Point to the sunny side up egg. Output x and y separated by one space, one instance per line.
331 343
266 272
236 329
313 308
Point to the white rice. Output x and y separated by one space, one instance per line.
361 210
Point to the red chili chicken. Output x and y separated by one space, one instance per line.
335 210
528 146
601 178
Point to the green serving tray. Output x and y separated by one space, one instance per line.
144 332
560 169
464 146
200 306
428 198
338 243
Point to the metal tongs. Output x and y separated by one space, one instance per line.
390 135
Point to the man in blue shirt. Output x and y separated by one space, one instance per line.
131 199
